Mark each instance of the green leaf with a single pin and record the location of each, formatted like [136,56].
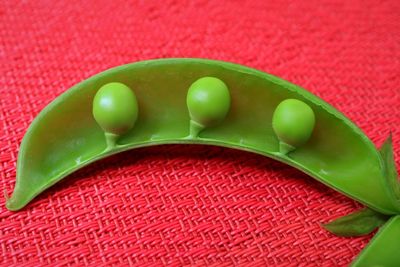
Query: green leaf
[383,249]
[359,223]
[390,167]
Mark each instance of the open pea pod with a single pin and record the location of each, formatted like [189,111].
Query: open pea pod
[197,101]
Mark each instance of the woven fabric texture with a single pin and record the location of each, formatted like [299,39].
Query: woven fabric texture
[191,205]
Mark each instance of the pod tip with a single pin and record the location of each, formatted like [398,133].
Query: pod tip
[6,195]
[11,203]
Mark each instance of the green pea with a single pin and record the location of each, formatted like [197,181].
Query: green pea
[115,108]
[293,122]
[208,101]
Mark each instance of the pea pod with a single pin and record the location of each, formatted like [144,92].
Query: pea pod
[245,113]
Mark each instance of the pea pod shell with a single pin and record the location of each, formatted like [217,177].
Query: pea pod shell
[338,154]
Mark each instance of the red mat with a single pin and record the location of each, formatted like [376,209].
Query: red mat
[191,205]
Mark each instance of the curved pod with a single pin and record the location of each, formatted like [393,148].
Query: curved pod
[65,137]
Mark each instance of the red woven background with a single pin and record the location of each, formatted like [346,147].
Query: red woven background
[198,205]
